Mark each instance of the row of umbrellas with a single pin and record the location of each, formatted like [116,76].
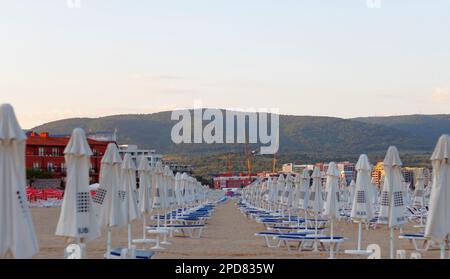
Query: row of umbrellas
[117,203]
[279,193]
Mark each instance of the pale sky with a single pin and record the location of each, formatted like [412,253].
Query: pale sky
[310,57]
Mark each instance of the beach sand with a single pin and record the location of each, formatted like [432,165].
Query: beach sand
[229,234]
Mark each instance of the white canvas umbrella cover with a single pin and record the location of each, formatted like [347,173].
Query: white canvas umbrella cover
[107,200]
[315,196]
[419,192]
[128,184]
[304,190]
[438,221]
[158,198]
[280,188]
[296,191]
[392,207]
[17,234]
[351,191]
[331,207]
[362,204]
[145,186]
[77,218]
[287,199]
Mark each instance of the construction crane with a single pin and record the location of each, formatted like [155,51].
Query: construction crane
[274,163]
[230,173]
[248,157]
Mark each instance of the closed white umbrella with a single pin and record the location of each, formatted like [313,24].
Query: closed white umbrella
[331,207]
[128,183]
[77,218]
[419,192]
[362,209]
[315,199]
[351,192]
[272,192]
[438,221]
[145,195]
[178,195]
[304,194]
[287,197]
[315,196]
[17,235]
[375,193]
[296,191]
[158,197]
[107,200]
[392,207]
[419,195]
[280,190]
[343,189]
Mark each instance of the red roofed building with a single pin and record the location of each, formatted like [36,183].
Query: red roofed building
[46,153]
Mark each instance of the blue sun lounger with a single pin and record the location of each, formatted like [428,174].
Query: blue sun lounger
[309,240]
[414,239]
[140,254]
[271,238]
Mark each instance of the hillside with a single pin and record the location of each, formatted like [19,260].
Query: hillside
[298,134]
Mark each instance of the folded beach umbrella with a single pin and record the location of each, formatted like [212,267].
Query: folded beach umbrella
[351,192]
[392,207]
[304,190]
[362,208]
[107,200]
[419,192]
[169,186]
[178,196]
[128,184]
[280,189]
[375,193]
[438,221]
[77,218]
[272,192]
[183,189]
[108,197]
[332,202]
[17,234]
[331,205]
[287,198]
[158,198]
[145,186]
[315,204]
[296,191]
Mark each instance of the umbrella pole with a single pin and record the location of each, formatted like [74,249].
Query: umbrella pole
[144,227]
[359,235]
[316,246]
[306,220]
[332,242]
[108,244]
[391,254]
[443,249]
[129,235]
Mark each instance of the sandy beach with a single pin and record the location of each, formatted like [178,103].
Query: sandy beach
[229,234]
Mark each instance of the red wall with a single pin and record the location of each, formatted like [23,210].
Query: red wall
[34,142]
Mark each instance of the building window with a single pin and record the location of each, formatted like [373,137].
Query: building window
[41,151]
[36,165]
[55,151]
[50,167]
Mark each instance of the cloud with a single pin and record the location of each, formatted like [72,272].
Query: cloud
[154,77]
[441,94]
